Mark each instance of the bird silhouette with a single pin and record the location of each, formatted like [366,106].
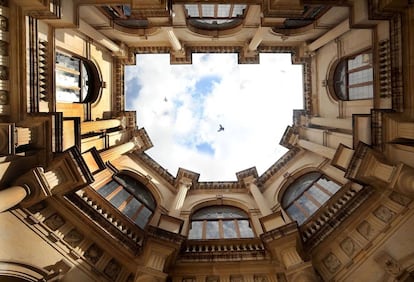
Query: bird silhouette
[165,99]
[221,128]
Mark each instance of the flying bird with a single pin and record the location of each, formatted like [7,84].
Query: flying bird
[221,128]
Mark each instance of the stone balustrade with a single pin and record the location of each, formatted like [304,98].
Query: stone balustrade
[236,249]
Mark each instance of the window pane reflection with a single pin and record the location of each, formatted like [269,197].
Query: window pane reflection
[245,229]
[229,229]
[212,230]
[223,222]
[196,230]
[315,188]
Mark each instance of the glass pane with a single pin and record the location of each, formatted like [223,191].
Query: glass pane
[212,230]
[298,187]
[67,61]
[143,217]
[136,188]
[131,208]
[363,92]
[360,61]
[207,10]
[308,205]
[238,10]
[192,10]
[196,231]
[296,214]
[229,229]
[329,185]
[223,11]
[107,188]
[219,212]
[119,198]
[318,194]
[245,229]
[361,76]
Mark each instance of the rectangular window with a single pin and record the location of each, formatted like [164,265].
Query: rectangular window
[212,230]
[229,229]
[119,198]
[196,231]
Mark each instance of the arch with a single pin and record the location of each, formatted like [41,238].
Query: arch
[220,219]
[352,77]
[131,197]
[147,182]
[19,271]
[78,79]
[306,193]
[215,19]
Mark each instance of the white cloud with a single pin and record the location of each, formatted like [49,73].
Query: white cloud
[253,102]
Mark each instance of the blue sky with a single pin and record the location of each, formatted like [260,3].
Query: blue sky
[182,106]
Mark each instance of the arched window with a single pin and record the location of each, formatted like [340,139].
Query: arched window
[130,197]
[77,79]
[215,16]
[220,222]
[307,194]
[353,78]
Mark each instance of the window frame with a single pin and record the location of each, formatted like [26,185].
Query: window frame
[143,207]
[294,202]
[220,224]
[89,84]
[338,80]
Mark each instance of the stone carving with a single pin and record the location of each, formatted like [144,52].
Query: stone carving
[4,48]
[212,279]
[384,214]
[365,230]
[389,264]
[73,238]
[236,278]
[4,23]
[331,262]
[400,199]
[112,269]
[260,278]
[348,246]
[54,221]
[4,97]
[4,73]
[93,254]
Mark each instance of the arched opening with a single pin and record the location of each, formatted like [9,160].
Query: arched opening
[220,222]
[131,197]
[77,79]
[352,77]
[307,194]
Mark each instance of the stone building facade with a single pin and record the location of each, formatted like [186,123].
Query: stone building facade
[80,199]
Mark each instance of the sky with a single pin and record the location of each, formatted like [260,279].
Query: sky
[182,107]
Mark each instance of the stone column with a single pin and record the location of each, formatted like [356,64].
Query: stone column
[342,123]
[321,150]
[258,196]
[115,152]
[183,186]
[99,125]
[11,196]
